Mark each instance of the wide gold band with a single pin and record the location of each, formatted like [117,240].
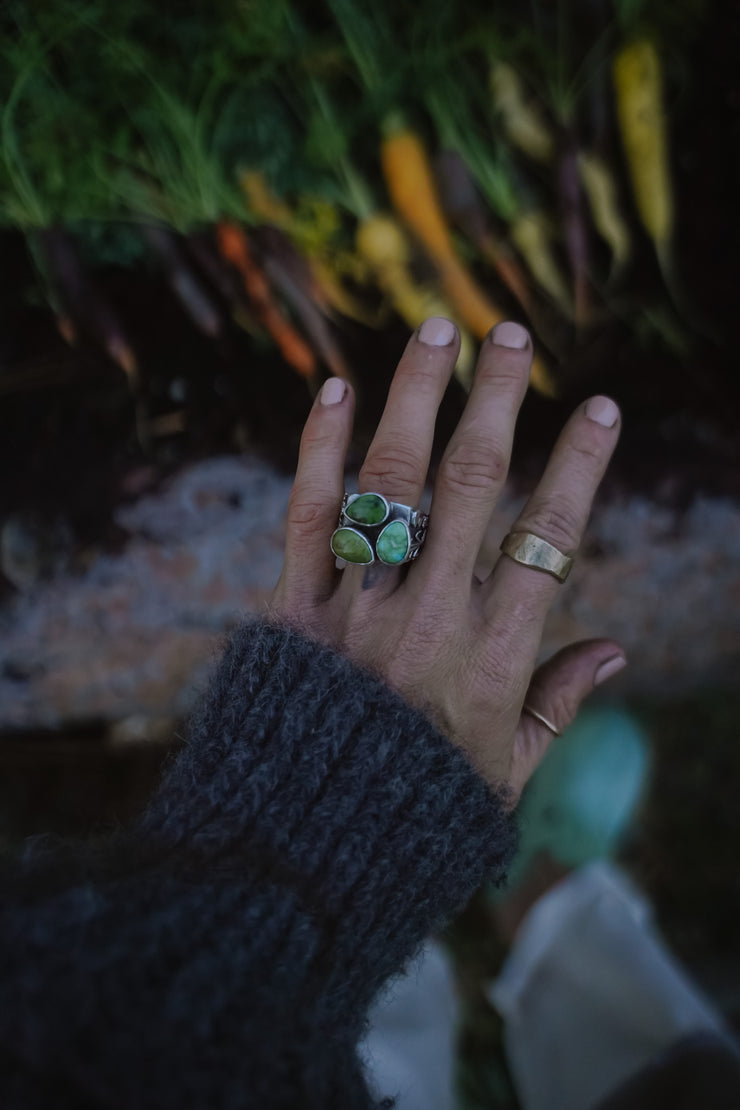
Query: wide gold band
[533,552]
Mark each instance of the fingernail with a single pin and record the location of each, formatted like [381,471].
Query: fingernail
[608,668]
[332,391]
[602,411]
[511,335]
[437,332]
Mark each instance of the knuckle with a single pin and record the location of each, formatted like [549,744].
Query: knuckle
[509,371]
[400,461]
[423,375]
[306,513]
[474,466]
[587,450]
[558,523]
[317,438]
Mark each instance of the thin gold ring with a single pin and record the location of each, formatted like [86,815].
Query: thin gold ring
[543,720]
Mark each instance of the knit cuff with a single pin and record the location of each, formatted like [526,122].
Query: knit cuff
[313,774]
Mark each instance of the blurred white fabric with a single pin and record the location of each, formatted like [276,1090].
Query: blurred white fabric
[589,993]
[409,1052]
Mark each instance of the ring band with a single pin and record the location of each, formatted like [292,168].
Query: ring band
[371,528]
[531,551]
[543,720]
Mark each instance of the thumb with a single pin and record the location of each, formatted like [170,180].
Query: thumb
[555,692]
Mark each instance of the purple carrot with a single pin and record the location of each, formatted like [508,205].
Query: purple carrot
[462,203]
[459,195]
[291,274]
[574,224]
[83,301]
[183,281]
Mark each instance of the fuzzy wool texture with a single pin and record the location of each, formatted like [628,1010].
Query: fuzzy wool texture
[224,951]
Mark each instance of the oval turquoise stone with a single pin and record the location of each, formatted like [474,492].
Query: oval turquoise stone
[351,546]
[368,508]
[393,543]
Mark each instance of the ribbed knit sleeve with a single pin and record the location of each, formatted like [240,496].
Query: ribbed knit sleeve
[224,953]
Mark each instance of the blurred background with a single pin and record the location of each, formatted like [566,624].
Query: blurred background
[204,215]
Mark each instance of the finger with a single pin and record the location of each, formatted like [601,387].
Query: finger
[397,460]
[475,464]
[516,597]
[555,692]
[309,573]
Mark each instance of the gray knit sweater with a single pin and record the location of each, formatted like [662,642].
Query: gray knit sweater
[225,951]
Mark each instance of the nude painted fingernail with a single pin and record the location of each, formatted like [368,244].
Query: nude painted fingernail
[608,668]
[602,411]
[511,335]
[332,391]
[437,332]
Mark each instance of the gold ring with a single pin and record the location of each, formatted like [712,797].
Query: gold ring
[534,552]
[543,720]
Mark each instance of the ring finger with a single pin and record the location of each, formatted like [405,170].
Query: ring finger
[516,598]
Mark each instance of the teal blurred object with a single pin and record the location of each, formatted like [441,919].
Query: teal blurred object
[581,799]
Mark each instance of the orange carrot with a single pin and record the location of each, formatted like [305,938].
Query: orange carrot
[234,246]
[411,187]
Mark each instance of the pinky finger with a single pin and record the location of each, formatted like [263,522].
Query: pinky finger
[309,572]
[555,694]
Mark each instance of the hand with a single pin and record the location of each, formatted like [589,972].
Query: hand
[461,650]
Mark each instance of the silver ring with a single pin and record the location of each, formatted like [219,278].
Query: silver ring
[373,529]
[539,717]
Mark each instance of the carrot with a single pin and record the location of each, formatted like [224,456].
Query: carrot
[262,201]
[411,187]
[531,235]
[336,297]
[289,272]
[383,245]
[461,201]
[414,195]
[83,302]
[234,247]
[638,81]
[522,122]
[183,280]
[601,191]
[574,226]
[66,328]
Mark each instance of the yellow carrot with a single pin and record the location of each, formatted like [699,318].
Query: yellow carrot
[261,200]
[382,242]
[530,233]
[601,190]
[383,245]
[638,86]
[334,294]
[522,121]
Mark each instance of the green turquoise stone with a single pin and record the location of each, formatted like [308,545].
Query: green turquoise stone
[351,546]
[368,508]
[393,543]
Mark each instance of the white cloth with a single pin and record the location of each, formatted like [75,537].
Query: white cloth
[409,1052]
[589,993]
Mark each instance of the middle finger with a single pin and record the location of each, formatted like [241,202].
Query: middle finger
[397,460]
[475,464]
